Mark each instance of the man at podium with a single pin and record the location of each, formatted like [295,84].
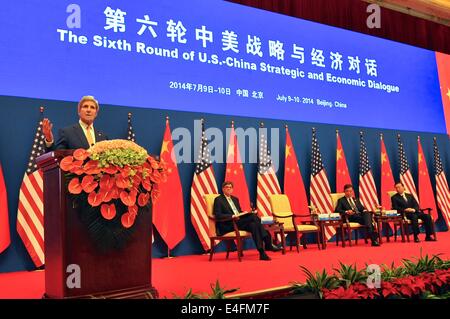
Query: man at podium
[227,205]
[79,135]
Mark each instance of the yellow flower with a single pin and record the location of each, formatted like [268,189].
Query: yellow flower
[103,146]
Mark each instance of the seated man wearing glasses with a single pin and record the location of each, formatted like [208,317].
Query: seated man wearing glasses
[227,205]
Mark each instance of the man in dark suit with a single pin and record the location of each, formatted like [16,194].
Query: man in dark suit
[407,205]
[226,206]
[354,209]
[79,135]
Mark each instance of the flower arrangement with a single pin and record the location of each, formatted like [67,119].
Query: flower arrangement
[425,277]
[405,287]
[115,174]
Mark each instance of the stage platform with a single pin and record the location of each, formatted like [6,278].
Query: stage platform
[177,275]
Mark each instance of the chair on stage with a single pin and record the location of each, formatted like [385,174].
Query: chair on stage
[236,235]
[407,221]
[348,226]
[292,223]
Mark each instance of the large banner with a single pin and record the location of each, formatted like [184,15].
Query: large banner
[215,57]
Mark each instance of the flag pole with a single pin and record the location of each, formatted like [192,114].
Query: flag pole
[168,249]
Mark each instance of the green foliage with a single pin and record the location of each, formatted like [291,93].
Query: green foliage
[422,264]
[120,157]
[442,264]
[392,272]
[218,292]
[348,274]
[429,295]
[189,295]
[316,282]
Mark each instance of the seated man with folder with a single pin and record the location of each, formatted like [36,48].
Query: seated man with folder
[226,205]
[353,208]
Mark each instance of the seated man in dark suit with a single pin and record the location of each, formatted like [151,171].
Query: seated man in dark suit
[407,205]
[227,205]
[353,208]
[79,135]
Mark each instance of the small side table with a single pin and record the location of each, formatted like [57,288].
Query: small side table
[382,220]
[333,223]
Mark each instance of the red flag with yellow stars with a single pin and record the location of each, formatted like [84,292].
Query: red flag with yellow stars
[387,179]
[342,173]
[443,64]
[5,238]
[426,195]
[293,182]
[235,172]
[168,210]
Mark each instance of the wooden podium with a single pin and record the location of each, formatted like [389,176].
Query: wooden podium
[124,273]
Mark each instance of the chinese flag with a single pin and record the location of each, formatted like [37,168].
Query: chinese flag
[426,195]
[342,173]
[443,64]
[387,179]
[293,182]
[235,172]
[5,239]
[168,210]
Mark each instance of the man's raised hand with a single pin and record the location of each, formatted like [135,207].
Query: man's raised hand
[47,129]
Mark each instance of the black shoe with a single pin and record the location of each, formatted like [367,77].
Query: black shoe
[273,248]
[264,257]
[416,240]
[375,243]
[430,239]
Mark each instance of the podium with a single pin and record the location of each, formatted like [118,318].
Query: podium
[70,251]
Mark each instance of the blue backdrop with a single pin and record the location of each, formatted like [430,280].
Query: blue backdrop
[20,116]
[226,71]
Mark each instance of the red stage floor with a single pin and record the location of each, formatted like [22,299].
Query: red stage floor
[177,275]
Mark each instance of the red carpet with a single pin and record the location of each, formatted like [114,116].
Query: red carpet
[177,275]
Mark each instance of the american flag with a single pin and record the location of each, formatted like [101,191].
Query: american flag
[442,191]
[203,183]
[367,188]
[267,182]
[132,137]
[130,132]
[319,188]
[405,173]
[30,212]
